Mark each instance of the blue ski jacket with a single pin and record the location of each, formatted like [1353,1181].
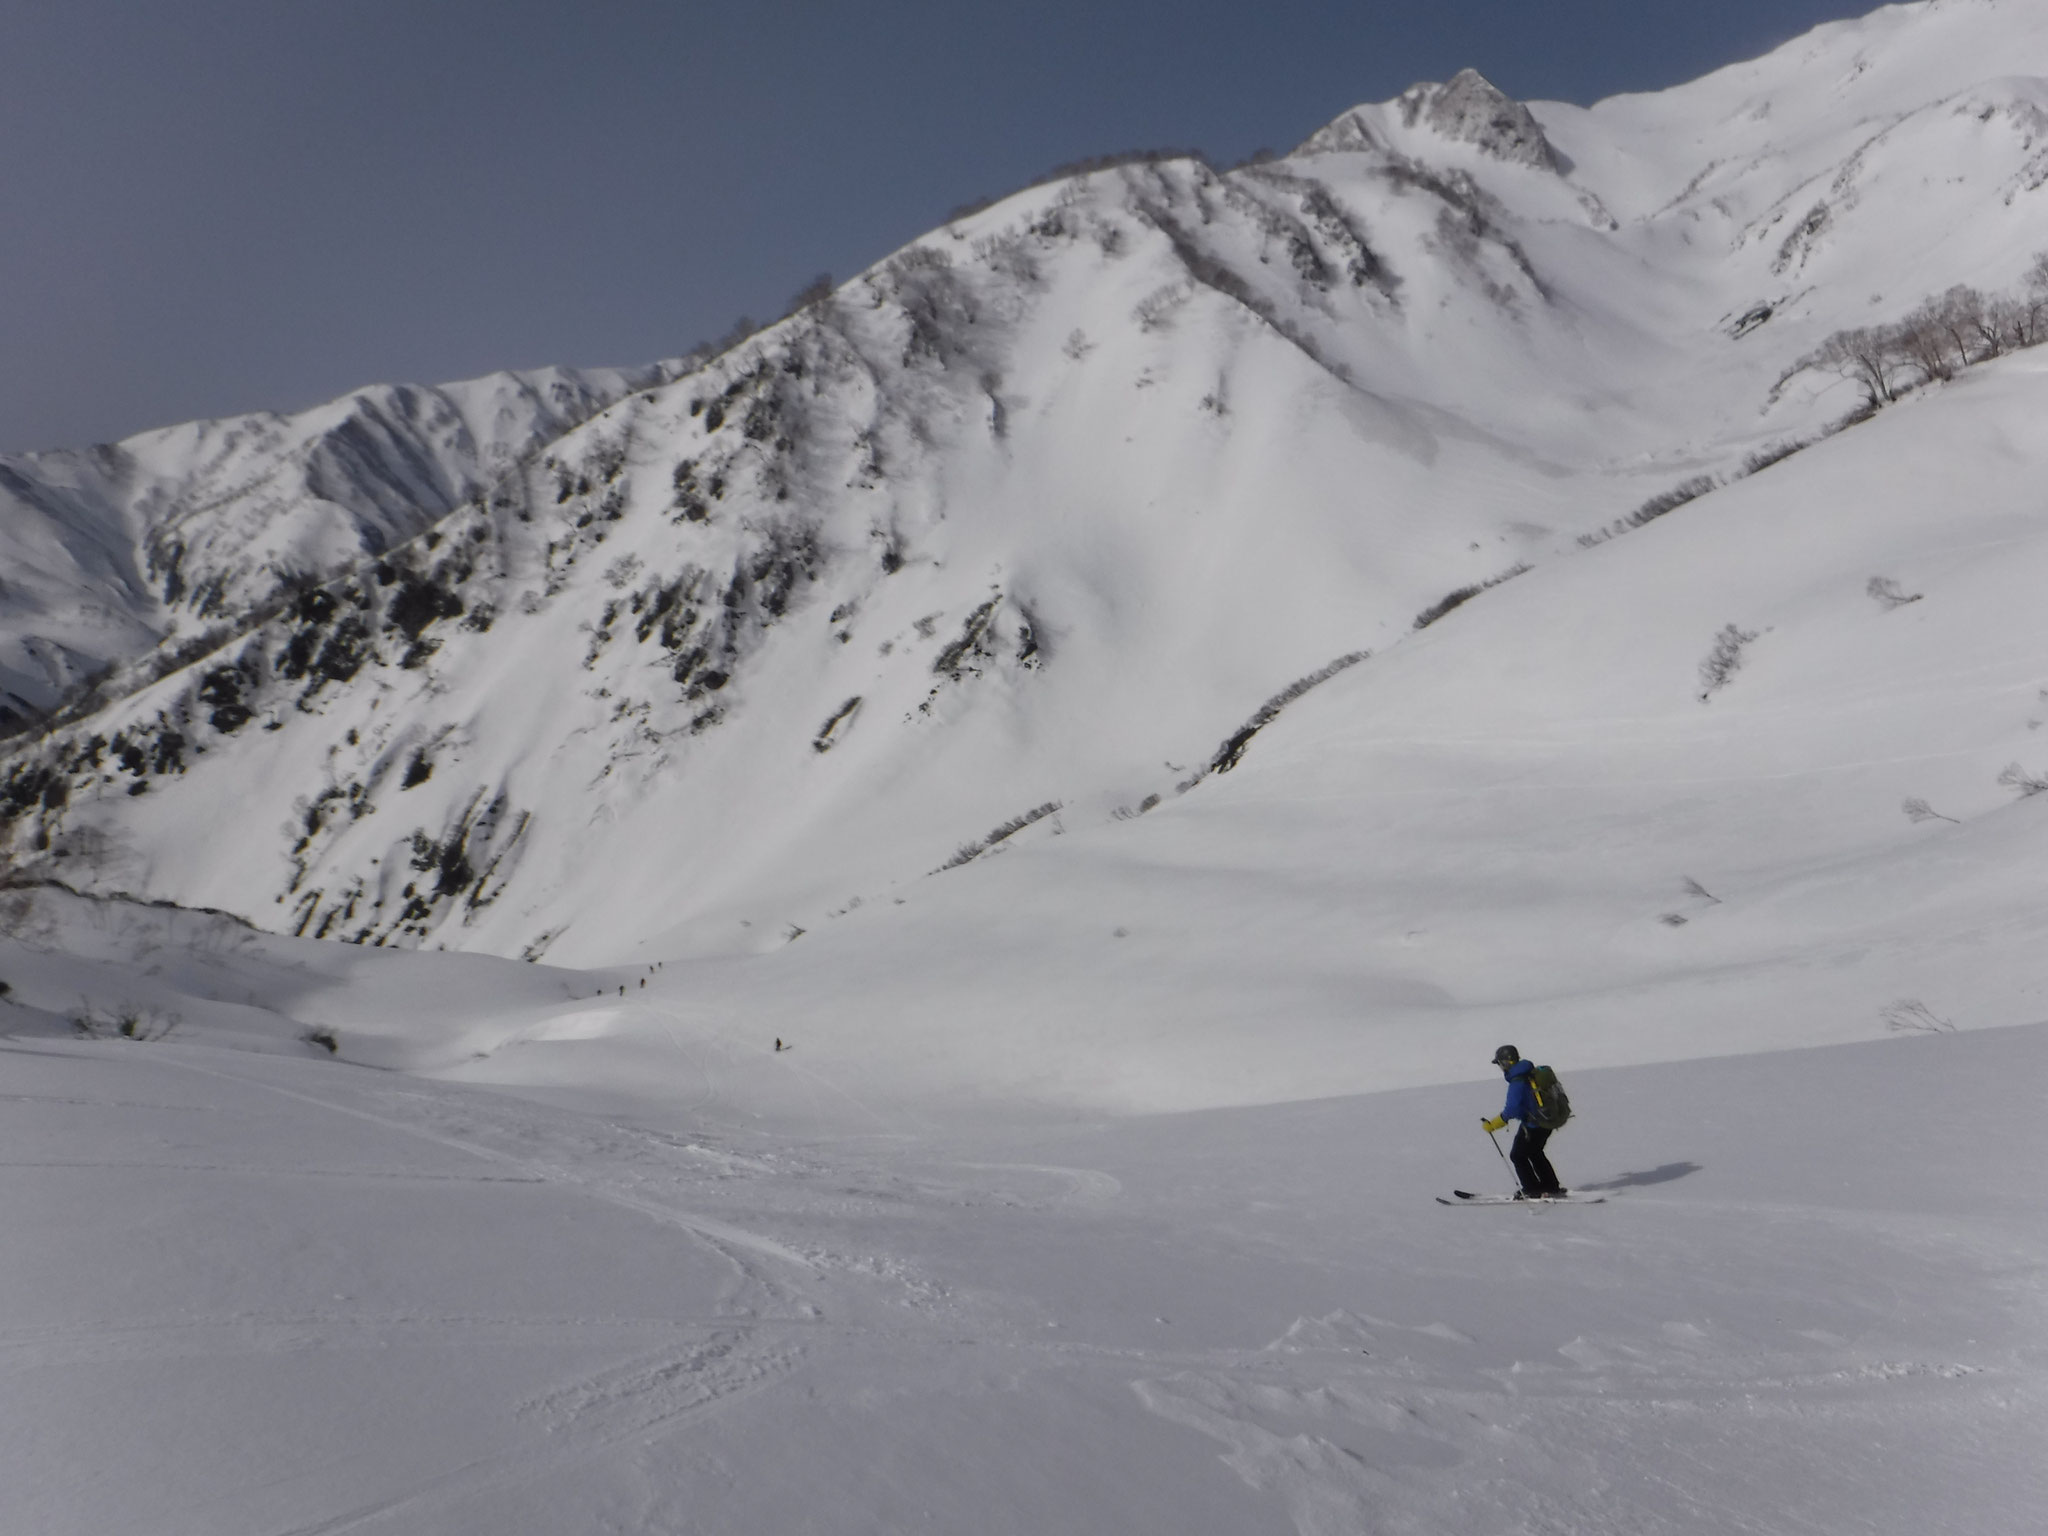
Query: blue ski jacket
[1521,1099]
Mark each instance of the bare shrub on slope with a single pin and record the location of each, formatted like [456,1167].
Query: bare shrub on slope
[122,1021]
[1725,659]
[1774,453]
[2021,782]
[1654,508]
[969,852]
[1888,594]
[1231,753]
[1463,595]
[1910,1016]
[1918,810]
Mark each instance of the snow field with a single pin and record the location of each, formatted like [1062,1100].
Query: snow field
[275,1294]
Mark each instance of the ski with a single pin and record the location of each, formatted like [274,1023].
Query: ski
[1467,1197]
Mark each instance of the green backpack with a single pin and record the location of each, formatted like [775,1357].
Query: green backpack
[1553,1106]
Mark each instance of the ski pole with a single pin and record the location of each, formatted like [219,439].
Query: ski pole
[1503,1156]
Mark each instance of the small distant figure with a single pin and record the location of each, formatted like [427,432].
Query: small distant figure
[1537,1100]
[622,989]
[643,981]
[779,1046]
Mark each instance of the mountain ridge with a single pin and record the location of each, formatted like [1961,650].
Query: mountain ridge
[1062,490]
[180,526]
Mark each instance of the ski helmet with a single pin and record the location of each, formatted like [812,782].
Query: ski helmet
[1506,1056]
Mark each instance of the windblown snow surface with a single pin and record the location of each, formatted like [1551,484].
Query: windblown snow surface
[930,896]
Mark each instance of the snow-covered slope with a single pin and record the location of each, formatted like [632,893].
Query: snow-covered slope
[1033,528]
[1528,819]
[106,552]
[253,1293]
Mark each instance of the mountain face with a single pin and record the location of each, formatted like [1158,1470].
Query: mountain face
[1032,528]
[114,550]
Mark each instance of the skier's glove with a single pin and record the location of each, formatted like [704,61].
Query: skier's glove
[1500,1124]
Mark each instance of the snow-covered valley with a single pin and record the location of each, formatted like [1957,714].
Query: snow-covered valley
[894,929]
[270,1294]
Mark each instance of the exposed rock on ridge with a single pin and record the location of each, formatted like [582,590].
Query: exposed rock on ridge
[109,550]
[1472,110]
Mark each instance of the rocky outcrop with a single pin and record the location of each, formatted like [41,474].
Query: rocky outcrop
[1472,110]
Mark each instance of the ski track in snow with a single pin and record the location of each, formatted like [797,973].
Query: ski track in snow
[640,1400]
[1353,1448]
[722,1236]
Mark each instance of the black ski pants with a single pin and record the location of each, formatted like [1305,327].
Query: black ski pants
[1531,1166]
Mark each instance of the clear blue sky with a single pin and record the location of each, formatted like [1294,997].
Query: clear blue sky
[224,205]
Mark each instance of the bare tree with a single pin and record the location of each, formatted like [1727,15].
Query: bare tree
[816,291]
[1867,356]
[2036,281]
[2014,321]
[1943,336]
[1959,315]
[1922,340]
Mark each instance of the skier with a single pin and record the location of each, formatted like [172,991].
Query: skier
[1539,1179]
